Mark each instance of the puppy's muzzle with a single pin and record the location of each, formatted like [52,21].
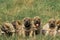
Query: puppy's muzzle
[52,25]
[37,23]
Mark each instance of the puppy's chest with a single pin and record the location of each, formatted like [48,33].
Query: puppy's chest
[37,28]
[52,31]
[28,28]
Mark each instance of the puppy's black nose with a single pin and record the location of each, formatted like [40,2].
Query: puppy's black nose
[52,24]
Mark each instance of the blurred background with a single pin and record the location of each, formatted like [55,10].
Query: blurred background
[18,9]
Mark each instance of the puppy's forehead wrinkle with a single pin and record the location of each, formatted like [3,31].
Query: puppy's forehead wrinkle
[36,19]
[16,22]
[26,18]
[52,19]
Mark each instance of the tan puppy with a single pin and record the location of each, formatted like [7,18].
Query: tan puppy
[58,26]
[50,28]
[37,24]
[18,27]
[8,28]
[27,27]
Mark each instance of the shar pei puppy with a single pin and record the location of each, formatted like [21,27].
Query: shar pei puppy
[8,28]
[18,27]
[27,27]
[50,28]
[58,26]
[37,24]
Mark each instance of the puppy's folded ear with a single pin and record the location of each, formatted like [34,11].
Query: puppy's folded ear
[58,24]
[26,18]
[19,22]
[58,21]
[36,17]
[31,19]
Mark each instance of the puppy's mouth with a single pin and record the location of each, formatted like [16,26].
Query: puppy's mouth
[37,23]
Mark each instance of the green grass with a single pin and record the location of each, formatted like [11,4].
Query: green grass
[18,9]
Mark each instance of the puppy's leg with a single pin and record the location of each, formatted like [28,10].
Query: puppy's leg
[31,33]
[47,32]
[20,32]
[23,33]
[55,33]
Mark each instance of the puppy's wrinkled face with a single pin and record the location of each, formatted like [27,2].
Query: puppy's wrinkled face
[37,21]
[52,23]
[58,24]
[27,22]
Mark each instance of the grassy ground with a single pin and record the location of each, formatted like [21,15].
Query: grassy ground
[18,9]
